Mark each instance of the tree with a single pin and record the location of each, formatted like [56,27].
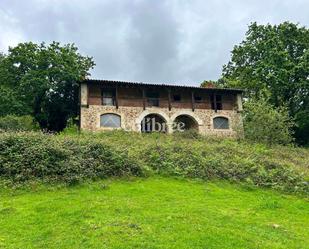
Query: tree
[10,103]
[45,79]
[274,61]
[267,124]
[209,83]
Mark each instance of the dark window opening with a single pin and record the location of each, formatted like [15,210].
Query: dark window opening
[177,98]
[152,98]
[218,102]
[198,99]
[221,123]
[108,97]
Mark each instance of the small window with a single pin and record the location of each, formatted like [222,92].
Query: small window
[108,97]
[198,99]
[218,102]
[177,98]
[110,120]
[221,123]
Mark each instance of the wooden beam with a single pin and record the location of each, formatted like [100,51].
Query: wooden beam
[239,102]
[215,102]
[169,99]
[193,101]
[116,95]
[87,95]
[144,99]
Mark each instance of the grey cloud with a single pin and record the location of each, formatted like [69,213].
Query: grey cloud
[153,44]
[141,40]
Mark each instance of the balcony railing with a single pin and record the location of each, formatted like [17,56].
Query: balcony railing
[163,103]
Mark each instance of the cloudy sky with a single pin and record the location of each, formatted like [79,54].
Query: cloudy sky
[146,40]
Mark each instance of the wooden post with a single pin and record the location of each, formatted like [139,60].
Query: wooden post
[84,95]
[169,99]
[144,100]
[193,101]
[116,96]
[87,87]
[215,102]
[239,102]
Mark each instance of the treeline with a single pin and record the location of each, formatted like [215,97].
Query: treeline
[272,65]
[42,81]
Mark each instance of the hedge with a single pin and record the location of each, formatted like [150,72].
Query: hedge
[26,156]
[68,158]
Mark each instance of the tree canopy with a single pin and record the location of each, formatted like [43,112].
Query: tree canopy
[273,61]
[42,80]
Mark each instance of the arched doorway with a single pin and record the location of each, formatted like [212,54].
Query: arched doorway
[185,122]
[154,123]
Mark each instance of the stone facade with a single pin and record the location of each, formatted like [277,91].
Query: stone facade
[131,116]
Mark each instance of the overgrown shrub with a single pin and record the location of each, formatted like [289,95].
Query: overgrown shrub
[191,134]
[26,156]
[71,128]
[222,162]
[72,158]
[267,124]
[18,123]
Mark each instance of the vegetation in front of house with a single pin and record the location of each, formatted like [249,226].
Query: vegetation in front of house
[35,156]
[73,158]
[152,213]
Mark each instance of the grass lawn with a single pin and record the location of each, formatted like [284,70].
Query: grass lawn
[152,213]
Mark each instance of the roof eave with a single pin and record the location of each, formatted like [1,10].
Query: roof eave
[143,84]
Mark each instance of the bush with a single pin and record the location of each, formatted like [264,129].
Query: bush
[190,134]
[26,156]
[18,123]
[266,124]
[195,161]
[71,128]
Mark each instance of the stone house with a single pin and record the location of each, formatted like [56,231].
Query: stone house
[141,107]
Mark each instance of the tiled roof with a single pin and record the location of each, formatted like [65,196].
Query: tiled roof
[143,84]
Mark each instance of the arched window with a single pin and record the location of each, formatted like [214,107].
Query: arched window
[221,123]
[110,120]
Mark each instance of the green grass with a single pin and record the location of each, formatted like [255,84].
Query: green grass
[152,213]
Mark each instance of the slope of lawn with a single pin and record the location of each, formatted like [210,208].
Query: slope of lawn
[153,212]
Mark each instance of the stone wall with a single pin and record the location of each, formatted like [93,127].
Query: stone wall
[131,118]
